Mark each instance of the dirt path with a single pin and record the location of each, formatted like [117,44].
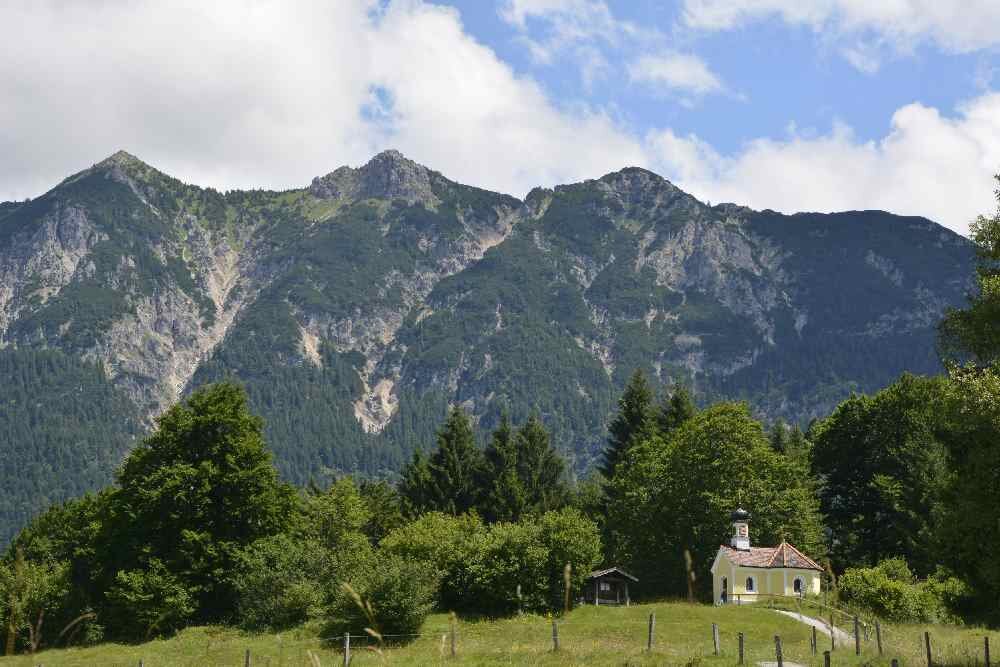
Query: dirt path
[841,636]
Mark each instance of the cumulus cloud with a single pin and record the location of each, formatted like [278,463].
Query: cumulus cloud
[585,31]
[251,95]
[958,27]
[677,71]
[570,21]
[927,164]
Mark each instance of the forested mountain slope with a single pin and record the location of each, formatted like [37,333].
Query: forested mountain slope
[356,309]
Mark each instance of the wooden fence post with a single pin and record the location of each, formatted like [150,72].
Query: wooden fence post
[453,635]
[555,635]
[715,638]
[833,634]
[986,649]
[740,636]
[246,659]
[878,636]
[652,626]
[777,651]
[347,649]
[927,643]
[857,637]
[814,642]
[826,659]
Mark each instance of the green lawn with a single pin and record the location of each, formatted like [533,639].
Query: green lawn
[590,636]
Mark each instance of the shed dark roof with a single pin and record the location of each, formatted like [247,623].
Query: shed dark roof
[783,555]
[600,573]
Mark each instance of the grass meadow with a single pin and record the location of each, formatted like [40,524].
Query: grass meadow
[587,636]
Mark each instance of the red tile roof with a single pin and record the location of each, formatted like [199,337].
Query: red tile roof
[783,555]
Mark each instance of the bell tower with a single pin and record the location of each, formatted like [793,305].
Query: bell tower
[741,530]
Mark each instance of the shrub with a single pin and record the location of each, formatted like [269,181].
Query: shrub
[446,543]
[147,602]
[532,556]
[278,582]
[889,590]
[332,515]
[392,598]
[572,538]
[508,556]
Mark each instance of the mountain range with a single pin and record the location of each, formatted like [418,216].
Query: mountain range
[357,309]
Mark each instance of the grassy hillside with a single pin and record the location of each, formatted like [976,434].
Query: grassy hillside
[591,636]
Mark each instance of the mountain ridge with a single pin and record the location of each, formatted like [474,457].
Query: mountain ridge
[357,307]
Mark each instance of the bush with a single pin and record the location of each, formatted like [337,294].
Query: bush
[531,555]
[393,598]
[333,515]
[572,538]
[147,602]
[508,556]
[278,582]
[890,591]
[446,543]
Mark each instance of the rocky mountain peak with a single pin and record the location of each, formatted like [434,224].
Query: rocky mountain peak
[388,175]
[127,169]
[633,181]
[120,159]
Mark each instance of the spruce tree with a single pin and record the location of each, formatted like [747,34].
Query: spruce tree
[503,494]
[675,410]
[634,410]
[447,481]
[539,467]
[414,485]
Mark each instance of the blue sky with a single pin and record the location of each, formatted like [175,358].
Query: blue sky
[774,74]
[786,104]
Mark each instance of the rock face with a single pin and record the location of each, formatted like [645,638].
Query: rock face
[388,175]
[357,309]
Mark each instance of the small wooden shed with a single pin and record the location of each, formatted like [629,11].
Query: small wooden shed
[608,586]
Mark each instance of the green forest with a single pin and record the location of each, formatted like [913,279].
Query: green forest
[57,414]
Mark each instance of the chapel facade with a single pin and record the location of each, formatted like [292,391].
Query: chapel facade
[742,573]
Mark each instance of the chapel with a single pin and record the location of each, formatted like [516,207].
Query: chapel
[742,573]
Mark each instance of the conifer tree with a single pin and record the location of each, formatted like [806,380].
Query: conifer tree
[634,410]
[539,467]
[414,485]
[522,472]
[675,410]
[447,481]
[504,495]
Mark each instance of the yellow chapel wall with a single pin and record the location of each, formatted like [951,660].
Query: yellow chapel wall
[769,581]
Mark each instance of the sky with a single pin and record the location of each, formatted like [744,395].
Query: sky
[793,105]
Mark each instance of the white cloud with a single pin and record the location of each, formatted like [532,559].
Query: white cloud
[679,71]
[958,27]
[252,95]
[584,31]
[569,20]
[927,165]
